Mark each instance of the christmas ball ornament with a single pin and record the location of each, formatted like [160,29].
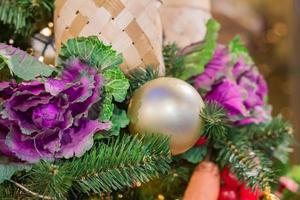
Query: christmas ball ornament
[168,106]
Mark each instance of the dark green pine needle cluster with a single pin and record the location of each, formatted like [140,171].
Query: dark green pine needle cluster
[139,76]
[120,163]
[250,166]
[216,121]
[21,18]
[249,151]
[173,62]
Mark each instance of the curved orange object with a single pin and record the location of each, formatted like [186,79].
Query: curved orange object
[204,183]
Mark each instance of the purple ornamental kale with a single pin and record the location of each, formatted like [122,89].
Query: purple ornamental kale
[214,70]
[50,120]
[238,87]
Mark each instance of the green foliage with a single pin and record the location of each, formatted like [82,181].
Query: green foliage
[106,108]
[8,170]
[116,84]
[237,49]
[274,138]
[19,62]
[215,121]
[119,120]
[139,76]
[294,173]
[173,61]
[196,154]
[3,62]
[92,51]
[122,162]
[197,56]
[48,179]
[22,14]
[8,191]
[233,148]
[115,87]
[250,166]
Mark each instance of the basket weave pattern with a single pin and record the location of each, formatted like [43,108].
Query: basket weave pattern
[132,27]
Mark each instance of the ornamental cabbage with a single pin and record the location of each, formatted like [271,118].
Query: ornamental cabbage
[48,120]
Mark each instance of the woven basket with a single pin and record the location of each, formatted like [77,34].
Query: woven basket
[132,27]
[184,21]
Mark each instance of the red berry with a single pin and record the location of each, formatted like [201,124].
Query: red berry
[248,193]
[201,141]
[227,193]
[230,179]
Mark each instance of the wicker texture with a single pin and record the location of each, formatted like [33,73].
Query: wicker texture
[184,21]
[132,27]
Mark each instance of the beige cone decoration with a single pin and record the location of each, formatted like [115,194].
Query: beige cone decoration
[184,21]
[132,27]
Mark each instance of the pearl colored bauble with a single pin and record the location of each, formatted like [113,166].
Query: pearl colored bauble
[168,106]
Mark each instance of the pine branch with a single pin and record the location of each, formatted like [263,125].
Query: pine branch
[249,165]
[173,61]
[30,192]
[140,76]
[22,14]
[48,179]
[235,149]
[274,138]
[121,163]
[15,15]
[215,121]
[8,191]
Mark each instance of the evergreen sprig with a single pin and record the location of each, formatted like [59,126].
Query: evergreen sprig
[121,163]
[234,149]
[173,61]
[216,121]
[139,76]
[251,166]
[274,138]
[21,14]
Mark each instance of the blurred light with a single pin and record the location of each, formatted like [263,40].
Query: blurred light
[41,58]
[138,184]
[271,37]
[50,24]
[161,197]
[46,32]
[280,29]
[11,41]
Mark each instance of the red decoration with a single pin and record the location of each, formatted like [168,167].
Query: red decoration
[201,141]
[248,193]
[230,179]
[227,193]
